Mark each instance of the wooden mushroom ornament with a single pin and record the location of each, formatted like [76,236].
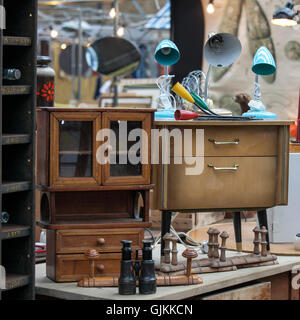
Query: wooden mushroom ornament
[91,255]
[189,254]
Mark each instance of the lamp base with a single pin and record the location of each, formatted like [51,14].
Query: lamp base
[165,114]
[259,114]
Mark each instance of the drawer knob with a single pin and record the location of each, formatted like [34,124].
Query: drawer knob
[236,141]
[101,241]
[100,267]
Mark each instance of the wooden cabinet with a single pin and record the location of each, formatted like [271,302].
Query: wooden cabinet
[242,165]
[88,200]
[222,166]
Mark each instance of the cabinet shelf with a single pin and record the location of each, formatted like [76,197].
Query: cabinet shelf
[17,41]
[15,186]
[15,90]
[14,281]
[95,224]
[136,187]
[8,139]
[12,231]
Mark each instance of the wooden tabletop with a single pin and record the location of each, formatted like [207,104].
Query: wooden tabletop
[222,123]
[211,283]
[93,109]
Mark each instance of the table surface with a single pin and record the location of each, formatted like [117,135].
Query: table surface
[211,282]
[171,122]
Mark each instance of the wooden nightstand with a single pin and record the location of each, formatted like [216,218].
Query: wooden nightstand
[244,166]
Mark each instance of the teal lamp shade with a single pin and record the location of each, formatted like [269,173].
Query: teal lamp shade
[167,53]
[263,62]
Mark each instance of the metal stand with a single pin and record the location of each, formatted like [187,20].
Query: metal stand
[263,222]
[237,230]
[166,217]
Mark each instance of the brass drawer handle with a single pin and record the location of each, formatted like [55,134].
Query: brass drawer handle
[219,169]
[235,142]
[100,241]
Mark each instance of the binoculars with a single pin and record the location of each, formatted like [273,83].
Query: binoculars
[135,271]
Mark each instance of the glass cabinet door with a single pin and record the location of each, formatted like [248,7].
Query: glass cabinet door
[73,148]
[128,153]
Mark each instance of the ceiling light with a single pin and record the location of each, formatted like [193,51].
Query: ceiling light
[53,33]
[210,7]
[285,16]
[112,12]
[121,31]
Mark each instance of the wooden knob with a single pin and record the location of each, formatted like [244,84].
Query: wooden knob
[101,241]
[100,267]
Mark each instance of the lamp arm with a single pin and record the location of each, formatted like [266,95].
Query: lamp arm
[257,92]
[207,83]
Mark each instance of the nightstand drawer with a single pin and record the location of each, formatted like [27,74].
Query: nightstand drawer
[73,267]
[108,240]
[232,141]
[225,182]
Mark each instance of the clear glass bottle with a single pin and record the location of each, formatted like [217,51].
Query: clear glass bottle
[4,217]
[11,74]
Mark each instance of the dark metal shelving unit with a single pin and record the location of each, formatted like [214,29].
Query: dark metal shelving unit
[17,148]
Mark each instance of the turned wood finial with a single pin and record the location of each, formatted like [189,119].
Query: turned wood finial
[167,238]
[224,235]
[264,232]
[215,246]
[210,242]
[189,254]
[256,240]
[174,251]
[91,255]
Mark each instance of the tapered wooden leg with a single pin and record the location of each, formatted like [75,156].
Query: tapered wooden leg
[165,227]
[263,222]
[237,230]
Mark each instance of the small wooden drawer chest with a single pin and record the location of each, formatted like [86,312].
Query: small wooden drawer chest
[66,260]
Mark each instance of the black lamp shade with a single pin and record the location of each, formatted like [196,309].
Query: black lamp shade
[285,13]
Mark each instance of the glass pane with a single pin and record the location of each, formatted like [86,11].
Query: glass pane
[75,148]
[120,154]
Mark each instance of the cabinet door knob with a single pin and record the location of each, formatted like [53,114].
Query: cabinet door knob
[101,241]
[100,267]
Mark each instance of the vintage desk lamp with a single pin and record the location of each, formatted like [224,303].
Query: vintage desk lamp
[220,50]
[264,65]
[166,54]
[285,17]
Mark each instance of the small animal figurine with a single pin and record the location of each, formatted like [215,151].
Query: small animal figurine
[243,99]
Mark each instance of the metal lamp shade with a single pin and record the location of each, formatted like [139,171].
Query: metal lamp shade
[285,16]
[167,53]
[263,62]
[222,49]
